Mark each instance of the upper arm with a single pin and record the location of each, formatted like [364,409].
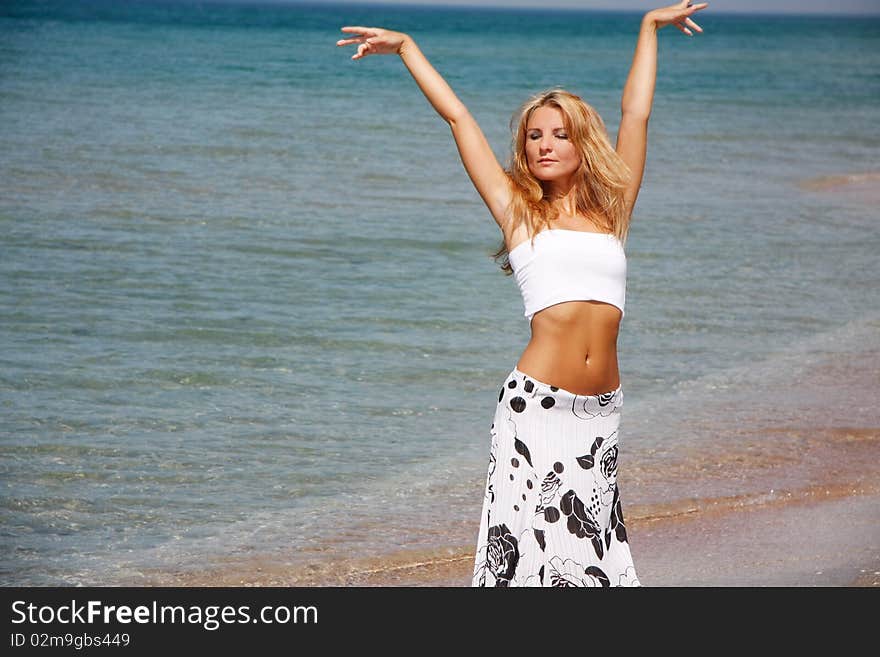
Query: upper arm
[483,168]
[632,146]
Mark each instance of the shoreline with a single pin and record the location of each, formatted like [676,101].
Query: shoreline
[825,532]
[660,542]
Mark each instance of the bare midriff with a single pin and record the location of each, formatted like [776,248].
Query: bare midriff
[574,345]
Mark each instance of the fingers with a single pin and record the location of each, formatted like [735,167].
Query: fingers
[362,32]
[688,21]
[362,51]
[691,9]
[361,39]
[366,37]
[357,29]
[685,23]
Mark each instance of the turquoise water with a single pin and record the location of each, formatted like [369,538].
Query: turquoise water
[246,297]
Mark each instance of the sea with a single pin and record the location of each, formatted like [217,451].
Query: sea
[248,305]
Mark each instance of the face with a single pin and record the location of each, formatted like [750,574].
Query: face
[550,153]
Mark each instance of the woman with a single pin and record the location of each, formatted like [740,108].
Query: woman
[552,512]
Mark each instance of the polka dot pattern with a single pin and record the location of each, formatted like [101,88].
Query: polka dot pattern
[568,530]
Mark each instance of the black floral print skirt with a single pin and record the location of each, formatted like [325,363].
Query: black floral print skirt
[552,512]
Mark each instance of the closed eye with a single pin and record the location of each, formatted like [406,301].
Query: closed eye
[537,135]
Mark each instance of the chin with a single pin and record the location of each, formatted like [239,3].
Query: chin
[546,178]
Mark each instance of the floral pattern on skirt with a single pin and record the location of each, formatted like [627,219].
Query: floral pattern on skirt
[552,513]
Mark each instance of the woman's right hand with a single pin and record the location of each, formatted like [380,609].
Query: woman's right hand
[679,14]
[373,41]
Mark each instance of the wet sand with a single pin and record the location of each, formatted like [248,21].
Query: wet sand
[823,541]
[824,533]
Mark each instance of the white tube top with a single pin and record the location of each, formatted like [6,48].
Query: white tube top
[569,265]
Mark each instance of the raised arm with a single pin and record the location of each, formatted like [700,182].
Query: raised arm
[638,93]
[479,161]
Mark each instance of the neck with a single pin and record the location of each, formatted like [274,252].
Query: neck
[561,197]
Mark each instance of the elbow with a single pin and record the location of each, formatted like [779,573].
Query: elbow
[635,113]
[457,115]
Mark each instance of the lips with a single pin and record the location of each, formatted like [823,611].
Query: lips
[545,161]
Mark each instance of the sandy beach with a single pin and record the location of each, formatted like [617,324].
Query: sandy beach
[822,534]
[761,546]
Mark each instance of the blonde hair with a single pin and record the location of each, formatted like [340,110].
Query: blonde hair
[601,178]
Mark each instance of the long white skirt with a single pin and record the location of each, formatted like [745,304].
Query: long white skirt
[552,513]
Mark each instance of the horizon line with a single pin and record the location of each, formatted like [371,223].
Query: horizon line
[408,4]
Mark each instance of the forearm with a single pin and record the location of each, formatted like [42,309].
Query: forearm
[432,84]
[638,93]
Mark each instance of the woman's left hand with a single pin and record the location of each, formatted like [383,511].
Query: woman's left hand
[678,14]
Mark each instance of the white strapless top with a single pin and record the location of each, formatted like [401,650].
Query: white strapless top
[569,265]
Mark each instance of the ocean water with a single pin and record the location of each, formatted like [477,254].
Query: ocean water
[247,303]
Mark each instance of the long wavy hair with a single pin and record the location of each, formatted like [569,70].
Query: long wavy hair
[601,178]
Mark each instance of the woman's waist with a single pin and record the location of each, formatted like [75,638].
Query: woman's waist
[598,348]
[578,369]
[524,390]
